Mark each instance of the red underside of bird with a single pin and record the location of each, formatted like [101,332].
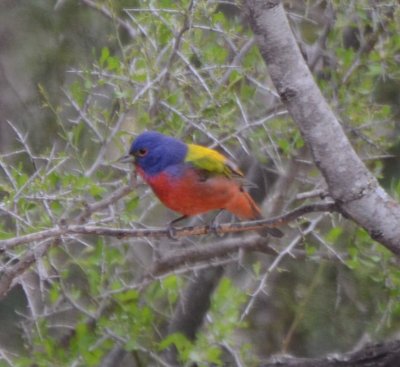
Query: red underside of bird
[190,195]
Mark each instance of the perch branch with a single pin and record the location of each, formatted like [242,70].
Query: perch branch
[66,229]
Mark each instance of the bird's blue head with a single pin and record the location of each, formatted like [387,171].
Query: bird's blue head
[153,152]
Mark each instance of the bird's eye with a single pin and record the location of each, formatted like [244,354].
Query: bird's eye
[142,152]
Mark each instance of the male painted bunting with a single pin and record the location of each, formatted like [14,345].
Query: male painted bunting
[191,179]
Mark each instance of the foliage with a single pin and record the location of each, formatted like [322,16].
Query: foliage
[192,70]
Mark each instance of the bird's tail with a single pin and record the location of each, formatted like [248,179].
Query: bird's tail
[244,207]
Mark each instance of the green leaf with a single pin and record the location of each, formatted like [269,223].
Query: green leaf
[105,54]
[78,92]
[257,268]
[181,343]
[5,235]
[132,203]
[113,64]
[54,294]
[130,296]
[334,234]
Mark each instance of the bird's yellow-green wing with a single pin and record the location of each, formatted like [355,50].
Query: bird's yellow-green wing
[211,161]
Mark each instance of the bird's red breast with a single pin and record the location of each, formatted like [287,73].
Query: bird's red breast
[190,194]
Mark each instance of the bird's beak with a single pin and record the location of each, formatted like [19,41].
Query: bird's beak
[127,159]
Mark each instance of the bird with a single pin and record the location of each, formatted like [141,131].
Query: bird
[192,179]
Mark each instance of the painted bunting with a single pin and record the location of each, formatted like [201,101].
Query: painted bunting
[191,179]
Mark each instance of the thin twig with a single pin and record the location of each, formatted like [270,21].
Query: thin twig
[275,263]
[108,14]
[24,263]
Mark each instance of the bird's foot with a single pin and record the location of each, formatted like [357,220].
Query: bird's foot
[215,228]
[214,225]
[171,230]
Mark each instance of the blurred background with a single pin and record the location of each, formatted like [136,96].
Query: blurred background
[78,79]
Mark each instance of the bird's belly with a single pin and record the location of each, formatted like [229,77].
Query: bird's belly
[190,196]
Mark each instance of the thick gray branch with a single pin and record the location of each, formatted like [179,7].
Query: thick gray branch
[374,355]
[355,190]
[192,307]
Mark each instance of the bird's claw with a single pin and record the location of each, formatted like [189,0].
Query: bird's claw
[172,232]
[216,229]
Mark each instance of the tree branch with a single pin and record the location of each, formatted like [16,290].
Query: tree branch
[355,190]
[192,307]
[221,249]
[108,14]
[65,229]
[373,355]
[13,271]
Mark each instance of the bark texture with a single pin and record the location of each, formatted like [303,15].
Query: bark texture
[373,355]
[354,189]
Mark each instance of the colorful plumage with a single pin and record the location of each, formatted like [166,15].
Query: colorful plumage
[191,179]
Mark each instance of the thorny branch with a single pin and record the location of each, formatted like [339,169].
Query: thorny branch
[282,254]
[65,229]
[191,256]
[108,14]
[376,355]
[221,249]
